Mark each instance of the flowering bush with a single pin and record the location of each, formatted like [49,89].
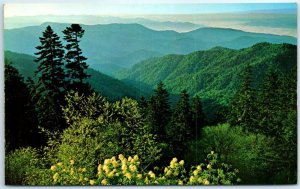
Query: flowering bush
[99,129]
[127,171]
[252,154]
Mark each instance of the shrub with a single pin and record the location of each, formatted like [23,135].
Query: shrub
[252,154]
[127,171]
[18,164]
[99,129]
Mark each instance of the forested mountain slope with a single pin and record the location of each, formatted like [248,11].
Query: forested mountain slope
[106,85]
[212,74]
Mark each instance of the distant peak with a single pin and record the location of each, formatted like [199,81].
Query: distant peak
[126,24]
[216,29]
[217,48]
[44,24]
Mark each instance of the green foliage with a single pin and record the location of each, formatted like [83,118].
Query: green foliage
[127,171]
[254,155]
[82,115]
[85,143]
[178,129]
[78,106]
[261,141]
[211,74]
[143,105]
[132,134]
[20,163]
[98,129]
[270,100]
[272,113]
[286,139]
[198,117]
[243,107]
[159,111]
[214,173]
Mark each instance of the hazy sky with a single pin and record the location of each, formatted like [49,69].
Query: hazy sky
[117,8]
[274,18]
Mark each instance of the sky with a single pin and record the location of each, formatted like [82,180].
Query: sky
[136,8]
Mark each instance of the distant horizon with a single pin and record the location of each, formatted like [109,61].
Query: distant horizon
[278,22]
[229,28]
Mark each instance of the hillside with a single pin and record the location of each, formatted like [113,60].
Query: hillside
[106,85]
[112,47]
[212,74]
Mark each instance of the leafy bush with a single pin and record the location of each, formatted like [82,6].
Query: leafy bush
[19,163]
[127,171]
[99,129]
[252,154]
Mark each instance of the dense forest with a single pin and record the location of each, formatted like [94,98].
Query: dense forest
[67,124]
[210,74]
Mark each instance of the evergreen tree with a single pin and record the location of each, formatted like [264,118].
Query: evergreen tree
[286,141]
[179,128]
[269,105]
[75,62]
[20,119]
[49,91]
[158,113]
[198,117]
[50,71]
[243,106]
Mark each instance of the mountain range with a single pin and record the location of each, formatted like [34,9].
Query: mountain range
[113,47]
[23,21]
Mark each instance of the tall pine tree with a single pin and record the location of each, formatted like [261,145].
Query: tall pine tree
[158,113]
[198,117]
[75,61]
[179,128]
[243,106]
[269,105]
[50,86]
[286,142]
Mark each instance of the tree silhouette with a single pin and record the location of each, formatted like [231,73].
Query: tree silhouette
[159,111]
[50,86]
[179,128]
[21,127]
[75,62]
